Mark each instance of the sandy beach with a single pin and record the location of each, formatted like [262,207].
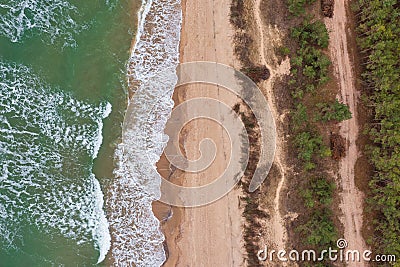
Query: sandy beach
[208,235]
[212,235]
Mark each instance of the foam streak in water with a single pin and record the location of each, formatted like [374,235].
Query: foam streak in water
[53,18]
[48,141]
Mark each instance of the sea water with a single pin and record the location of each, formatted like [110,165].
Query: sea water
[62,103]
[76,179]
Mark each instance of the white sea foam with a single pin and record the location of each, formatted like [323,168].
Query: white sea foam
[99,140]
[137,239]
[53,18]
[100,233]
[44,179]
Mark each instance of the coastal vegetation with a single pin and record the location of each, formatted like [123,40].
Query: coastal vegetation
[379,42]
[318,196]
[335,111]
[252,212]
[297,7]
[313,118]
[310,71]
[243,41]
[315,113]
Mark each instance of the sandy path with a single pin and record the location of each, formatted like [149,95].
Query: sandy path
[351,198]
[209,235]
[277,231]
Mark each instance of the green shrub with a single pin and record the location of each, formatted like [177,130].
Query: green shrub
[308,145]
[333,112]
[318,193]
[300,117]
[284,51]
[297,7]
[319,230]
[315,64]
[314,33]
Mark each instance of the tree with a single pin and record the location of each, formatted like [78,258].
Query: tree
[379,38]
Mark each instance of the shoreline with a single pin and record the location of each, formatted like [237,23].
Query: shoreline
[170,217]
[134,188]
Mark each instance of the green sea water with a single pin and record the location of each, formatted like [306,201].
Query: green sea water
[61,64]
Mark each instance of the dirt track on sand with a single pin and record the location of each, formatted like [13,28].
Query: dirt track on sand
[269,37]
[352,199]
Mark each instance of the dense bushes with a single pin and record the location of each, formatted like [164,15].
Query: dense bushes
[310,69]
[320,192]
[314,33]
[309,72]
[310,64]
[379,30]
[310,144]
[320,230]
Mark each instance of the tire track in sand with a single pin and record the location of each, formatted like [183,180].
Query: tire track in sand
[352,199]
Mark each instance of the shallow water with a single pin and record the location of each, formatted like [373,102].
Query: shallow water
[134,228]
[62,71]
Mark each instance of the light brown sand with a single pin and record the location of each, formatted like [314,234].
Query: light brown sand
[276,226]
[208,235]
[268,37]
[351,198]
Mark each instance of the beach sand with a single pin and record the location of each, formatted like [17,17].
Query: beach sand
[210,235]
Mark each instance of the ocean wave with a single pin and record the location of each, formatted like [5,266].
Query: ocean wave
[137,239]
[48,141]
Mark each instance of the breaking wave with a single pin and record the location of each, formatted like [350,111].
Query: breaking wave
[137,239]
